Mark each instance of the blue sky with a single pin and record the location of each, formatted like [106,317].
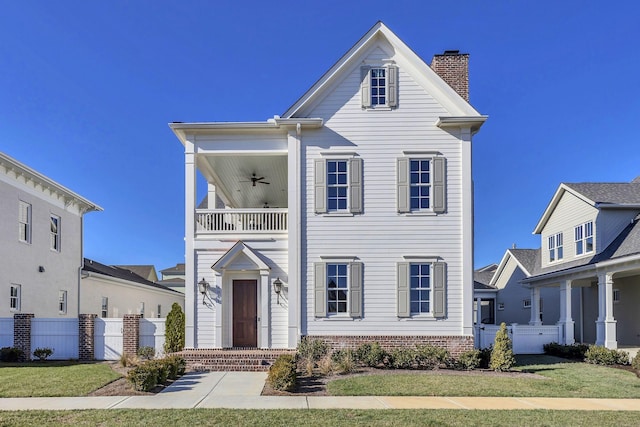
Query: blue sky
[87,89]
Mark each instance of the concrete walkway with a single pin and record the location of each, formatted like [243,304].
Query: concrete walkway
[241,390]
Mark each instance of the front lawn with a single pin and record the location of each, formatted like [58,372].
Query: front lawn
[562,378]
[334,417]
[53,379]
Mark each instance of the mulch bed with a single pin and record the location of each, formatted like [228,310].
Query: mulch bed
[122,387]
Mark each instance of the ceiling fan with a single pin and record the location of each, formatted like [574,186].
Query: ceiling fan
[254,179]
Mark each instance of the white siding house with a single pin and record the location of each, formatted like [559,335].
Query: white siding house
[348,218]
[40,243]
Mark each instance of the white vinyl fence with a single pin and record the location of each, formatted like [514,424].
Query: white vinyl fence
[107,338]
[152,334]
[6,332]
[60,335]
[526,339]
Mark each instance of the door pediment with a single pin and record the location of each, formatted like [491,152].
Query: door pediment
[240,258]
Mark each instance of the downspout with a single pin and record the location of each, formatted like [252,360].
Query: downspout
[299,226]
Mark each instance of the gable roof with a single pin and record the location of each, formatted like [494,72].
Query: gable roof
[91,266]
[425,76]
[482,277]
[178,269]
[526,259]
[601,195]
[145,271]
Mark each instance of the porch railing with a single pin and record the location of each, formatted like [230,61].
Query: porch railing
[230,221]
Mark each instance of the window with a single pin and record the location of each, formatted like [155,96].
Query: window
[526,303]
[338,185]
[379,87]
[421,184]
[14,298]
[420,284]
[421,288]
[555,247]
[584,238]
[141,309]
[616,296]
[24,222]
[500,306]
[104,311]
[338,289]
[62,302]
[55,233]
[159,311]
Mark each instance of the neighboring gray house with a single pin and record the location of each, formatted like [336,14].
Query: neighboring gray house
[41,226]
[173,277]
[349,218]
[586,276]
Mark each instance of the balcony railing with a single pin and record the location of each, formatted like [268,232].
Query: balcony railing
[230,221]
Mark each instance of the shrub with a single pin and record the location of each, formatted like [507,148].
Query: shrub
[325,365]
[282,374]
[11,354]
[370,354]
[147,352]
[162,368]
[174,330]
[485,357]
[468,360]
[599,355]
[402,358]
[635,363]
[127,359]
[573,351]
[344,361]
[143,377]
[177,366]
[502,358]
[42,353]
[431,357]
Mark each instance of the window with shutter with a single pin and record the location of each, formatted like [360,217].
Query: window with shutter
[338,289]
[379,86]
[338,186]
[24,222]
[421,184]
[421,289]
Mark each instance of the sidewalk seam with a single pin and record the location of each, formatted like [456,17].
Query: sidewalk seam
[124,399]
[209,392]
[455,402]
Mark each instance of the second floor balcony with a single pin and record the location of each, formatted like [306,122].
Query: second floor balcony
[259,221]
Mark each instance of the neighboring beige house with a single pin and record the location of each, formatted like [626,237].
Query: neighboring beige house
[173,277]
[113,291]
[41,254]
[349,218]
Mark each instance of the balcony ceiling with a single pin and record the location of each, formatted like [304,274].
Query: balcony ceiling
[232,176]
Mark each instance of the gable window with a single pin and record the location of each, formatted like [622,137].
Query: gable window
[24,222]
[159,311]
[421,184]
[379,87]
[584,238]
[104,311]
[55,233]
[62,302]
[338,289]
[421,288]
[338,185]
[14,298]
[555,247]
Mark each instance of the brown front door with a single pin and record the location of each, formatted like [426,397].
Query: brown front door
[245,313]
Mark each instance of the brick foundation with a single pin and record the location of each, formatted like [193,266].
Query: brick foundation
[86,332]
[230,360]
[22,333]
[131,333]
[455,344]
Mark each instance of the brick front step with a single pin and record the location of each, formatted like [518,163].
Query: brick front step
[231,360]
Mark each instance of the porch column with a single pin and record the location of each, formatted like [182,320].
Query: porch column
[566,322]
[294,207]
[190,290]
[219,308]
[535,307]
[478,321]
[265,312]
[606,324]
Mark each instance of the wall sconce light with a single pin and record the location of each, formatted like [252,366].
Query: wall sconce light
[41,269]
[203,287]
[277,288]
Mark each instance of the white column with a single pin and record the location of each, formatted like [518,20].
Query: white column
[265,312]
[294,206]
[467,232]
[535,307]
[219,297]
[190,297]
[566,321]
[211,196]
[479,310]
[606,324]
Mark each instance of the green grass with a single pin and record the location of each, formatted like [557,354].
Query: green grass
[562,378]
[336,417]
[53,379]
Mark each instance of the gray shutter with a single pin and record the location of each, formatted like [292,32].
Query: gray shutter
[392,86]
[403,290]
[355,290]
[439,289]
[403,185]
[320,185]
[365,87]
[320,289]
[439,176]
[355,185]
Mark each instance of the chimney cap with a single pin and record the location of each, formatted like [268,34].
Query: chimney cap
[451,52]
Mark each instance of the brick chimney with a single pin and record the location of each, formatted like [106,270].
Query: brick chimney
[453,67]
